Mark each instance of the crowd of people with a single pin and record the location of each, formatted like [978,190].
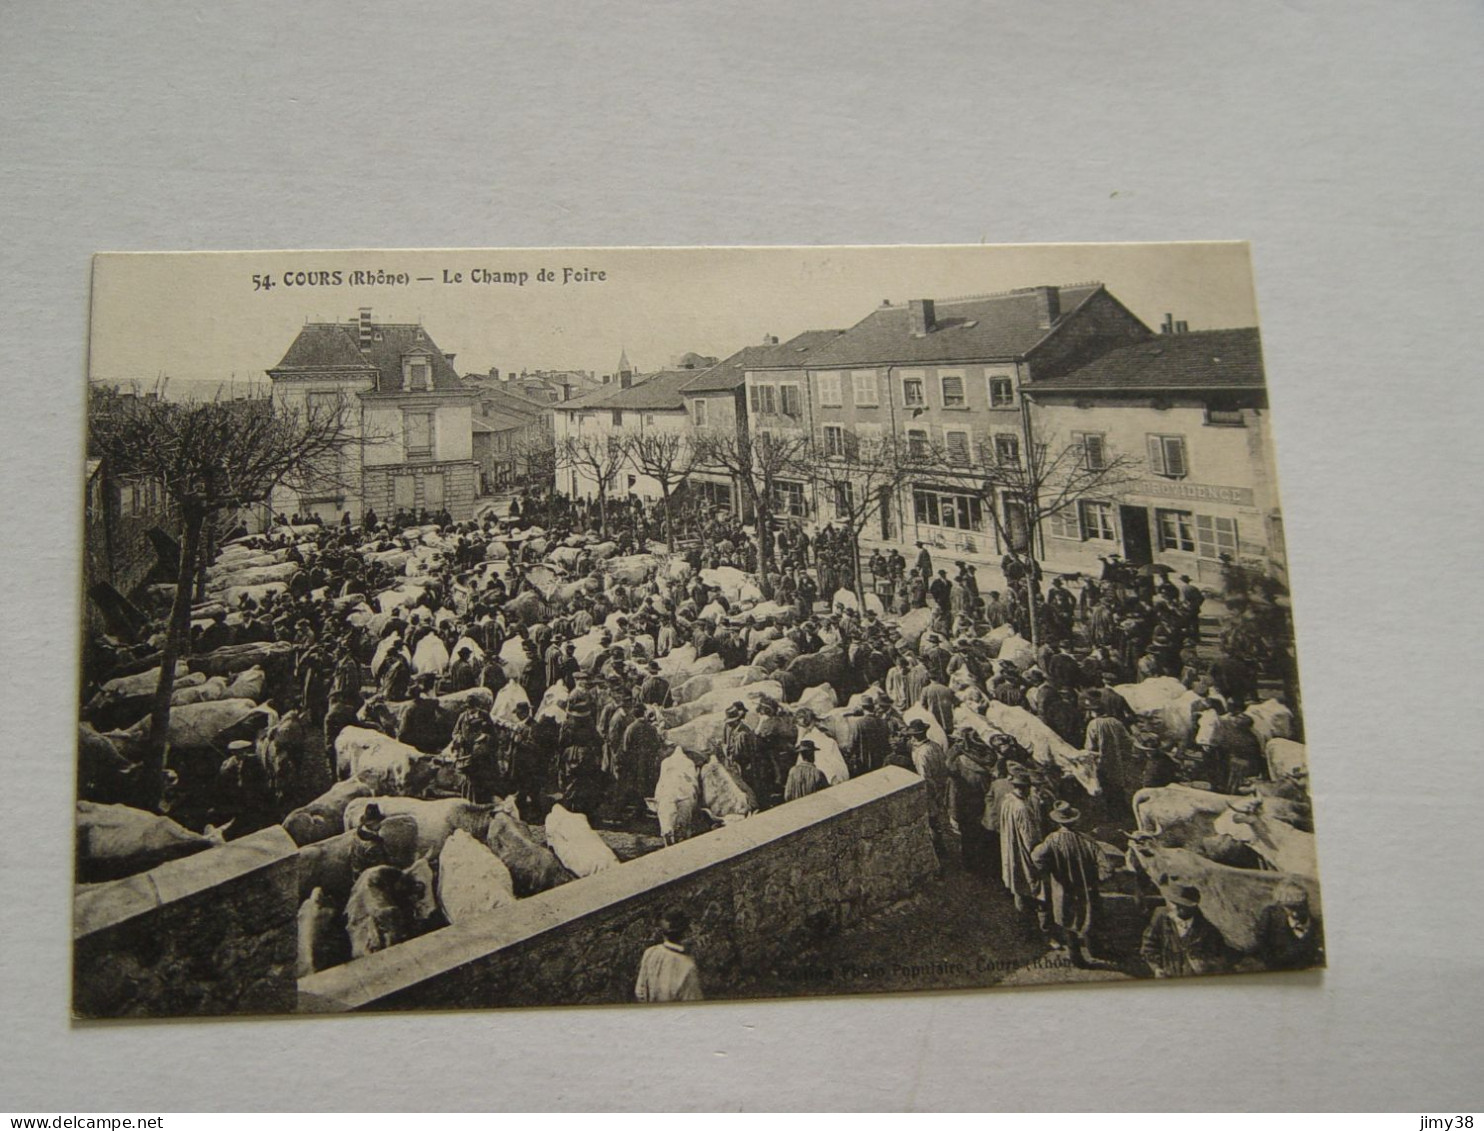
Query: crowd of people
[994,810]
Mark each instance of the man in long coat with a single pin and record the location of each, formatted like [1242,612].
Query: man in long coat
[1020,833]
[1069,862]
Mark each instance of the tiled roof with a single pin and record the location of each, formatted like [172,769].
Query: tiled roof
[1201,359]
[510,402]
[334,348]
[728,374]
[657,392]
[987,326]
[500,422]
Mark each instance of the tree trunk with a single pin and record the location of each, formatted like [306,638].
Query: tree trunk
[1030,601]
[602,510]
[855,553]
[669,521]
[177,641]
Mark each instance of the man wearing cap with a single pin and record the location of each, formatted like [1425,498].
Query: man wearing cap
[1120,769]
[667,972]
[739,743]
[776,737]
[367,849]
[243,783]
[972,765]
[461,674]
[655,690]
[421,727]
[1180,940]
[1069,861]
[827,756]
[804,777]
[580,777]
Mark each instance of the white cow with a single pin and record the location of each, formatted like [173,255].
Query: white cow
[1285,756]
[472,880]
[1271,719]
[677,796]
[581,851]
[1284,847]
[431,655]
[827,757]
[1045,744]
[388,766]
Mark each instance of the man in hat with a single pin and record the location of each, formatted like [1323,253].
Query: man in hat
[972,764]
[739,743]
[461,675]
[477,758]
[421,727]
[367,849]
[667,972]
[580,777]
[931,763]
[924,563]
[243,785]
[655,690]
[1020,833]
[1180,940]
[804,777]
[1288,935]
[870,738]
[776,737]
[827,754]
[1069,861]
[1120,769]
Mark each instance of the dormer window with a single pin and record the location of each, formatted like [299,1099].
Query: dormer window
[417,373]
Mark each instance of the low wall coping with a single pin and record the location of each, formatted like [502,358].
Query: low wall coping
[363,980]
[96,907]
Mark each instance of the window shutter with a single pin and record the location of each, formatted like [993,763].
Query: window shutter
[851,446]
[1156,455]
[1175,457]
[756,394]
[1094,449]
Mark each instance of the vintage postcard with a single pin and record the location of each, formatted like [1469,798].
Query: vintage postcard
[466,629]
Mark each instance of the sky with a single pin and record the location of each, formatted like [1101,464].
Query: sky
[197,317]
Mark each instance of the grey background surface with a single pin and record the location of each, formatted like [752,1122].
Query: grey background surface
[1341,138]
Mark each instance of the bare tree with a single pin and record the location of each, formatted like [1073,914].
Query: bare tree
[209,456]
[757,462]
[599,458]
[857,473]
[667,458]
[534,451]
[1049,479]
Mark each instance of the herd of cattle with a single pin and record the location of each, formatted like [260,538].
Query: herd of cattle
[450,860]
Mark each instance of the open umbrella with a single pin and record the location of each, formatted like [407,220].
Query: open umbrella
[1155,567]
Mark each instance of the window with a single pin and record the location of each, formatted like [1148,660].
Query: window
[917,443]
[1225,417]
[1006,449]
[791,402]
[947,509]
[1167,456]
[404,492]
[433,491]
[618,417]
[717,494]
[1176,530]
[829,390]
[1097,521]
[323,405]
[417,372]
[912,392]
[649,420]
[1215,536]
[765,399]
[844,500]
[834,441]
[1065,523]
[864,382]
[788,499]
[418,430]
[1001,392]
[1094,452]
[958,448]
[700,409]
[953,390]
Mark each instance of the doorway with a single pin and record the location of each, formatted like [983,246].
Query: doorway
[1138,548]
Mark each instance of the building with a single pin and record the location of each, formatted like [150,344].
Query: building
[721,398]
[411,412]
[1188,413]
[943,379]
[602,417]
[129,532]
[513,437]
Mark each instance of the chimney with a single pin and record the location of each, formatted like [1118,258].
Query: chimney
[1048,306]
[449,358]
[1182,327]
[365,321]
[920,317]
[770,339]
[1168,325]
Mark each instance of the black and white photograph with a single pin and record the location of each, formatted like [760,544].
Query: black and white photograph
[545,627]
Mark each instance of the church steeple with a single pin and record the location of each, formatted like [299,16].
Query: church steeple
[623,362]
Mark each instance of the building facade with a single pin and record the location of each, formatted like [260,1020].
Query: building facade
[411,414]
[587,424]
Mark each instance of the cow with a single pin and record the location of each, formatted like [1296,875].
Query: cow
[326,863]
[1017,650]
[1283,846]
[472,880]
[322,943]
[324,817]
[829,665]
[436,820]
[700,733]
[248,684]
[114,841]
[533,867]
[698,685]
[820,699]
[207,691]
[776,656]
[1270,719]
[1285,757]
[581,851]
[1045,744]
[381,910]
[1180,814]
[721,699]
[723,794]
[1151,694]
[383,763]
[633,569]
[913,624]
[431,655]
[1232,899]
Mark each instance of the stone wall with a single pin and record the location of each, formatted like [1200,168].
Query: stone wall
[755,891]
[212,933]
[460,486]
